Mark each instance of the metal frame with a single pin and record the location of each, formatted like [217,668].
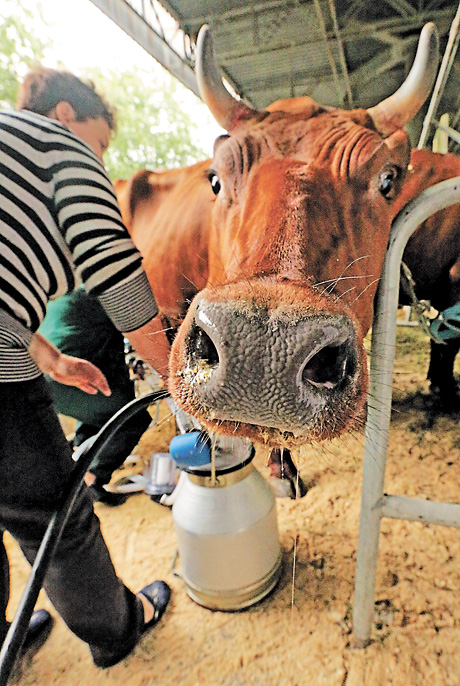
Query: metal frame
[444,71]
[320,55]
[375,504]
[137,23]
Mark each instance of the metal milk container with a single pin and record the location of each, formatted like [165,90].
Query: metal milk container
[226,523]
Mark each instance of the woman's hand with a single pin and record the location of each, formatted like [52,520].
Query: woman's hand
[71,371]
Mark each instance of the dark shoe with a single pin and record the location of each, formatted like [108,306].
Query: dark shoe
[158,595]
[39,629]
[100,495]
[40,626]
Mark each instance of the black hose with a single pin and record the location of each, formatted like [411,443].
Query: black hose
[17,632]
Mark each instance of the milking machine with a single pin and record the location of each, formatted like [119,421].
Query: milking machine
[225,519]
[224,515]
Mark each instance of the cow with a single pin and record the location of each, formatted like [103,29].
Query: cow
[265,260]
[433,257]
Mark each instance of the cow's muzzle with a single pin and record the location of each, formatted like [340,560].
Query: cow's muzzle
[281,368]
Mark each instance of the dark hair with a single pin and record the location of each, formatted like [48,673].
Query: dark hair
[42,89]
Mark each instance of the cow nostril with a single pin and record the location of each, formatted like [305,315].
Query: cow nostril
[202,348]
[329,366]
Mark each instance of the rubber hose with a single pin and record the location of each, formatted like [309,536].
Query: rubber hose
[17,632]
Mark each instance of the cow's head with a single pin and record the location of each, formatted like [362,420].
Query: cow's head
[272,347]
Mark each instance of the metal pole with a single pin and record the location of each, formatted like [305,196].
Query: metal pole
[329,52]
[417,211]
[343,61]
[442,77]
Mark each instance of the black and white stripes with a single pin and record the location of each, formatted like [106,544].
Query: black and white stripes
[60,224]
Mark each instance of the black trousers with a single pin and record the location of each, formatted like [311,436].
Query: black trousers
[81,582]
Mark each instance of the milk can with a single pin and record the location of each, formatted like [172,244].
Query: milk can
[226,524]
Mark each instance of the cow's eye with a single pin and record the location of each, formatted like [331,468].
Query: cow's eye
[387,183]
[214,181]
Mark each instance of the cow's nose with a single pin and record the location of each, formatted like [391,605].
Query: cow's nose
[268,368]
[331,364]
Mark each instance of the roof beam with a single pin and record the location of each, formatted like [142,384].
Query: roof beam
[404,8]
[343,61]
[355,30]
[380,64]
[329,52]
[383,61]
[351,11]
[137,28]
[236,12]
[385,31]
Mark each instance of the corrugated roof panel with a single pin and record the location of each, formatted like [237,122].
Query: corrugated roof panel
[341,52]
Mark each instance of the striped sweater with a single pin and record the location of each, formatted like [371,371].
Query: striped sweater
[60,225]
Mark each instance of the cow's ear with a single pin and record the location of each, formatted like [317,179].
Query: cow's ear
[219,140]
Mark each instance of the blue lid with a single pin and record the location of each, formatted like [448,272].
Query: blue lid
[191,450]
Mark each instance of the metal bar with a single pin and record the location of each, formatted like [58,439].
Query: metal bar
[441,80]
[157,17]
[355,31]
[375,67]
[456,118]
[235,13]
[441,136]
[455,135]
[432,200]
[418,510]
[328,49]
[343,61]
[135,26]
[352,10]
[358,30]
[404,8]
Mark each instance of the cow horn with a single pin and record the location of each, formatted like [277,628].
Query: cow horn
[396,110]
[227,110]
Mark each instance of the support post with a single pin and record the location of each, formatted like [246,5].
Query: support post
[432,200]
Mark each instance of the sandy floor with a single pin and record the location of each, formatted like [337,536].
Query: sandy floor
[301,634]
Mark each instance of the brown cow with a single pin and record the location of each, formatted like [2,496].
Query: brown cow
[282,238]
[433,256]
[168,214]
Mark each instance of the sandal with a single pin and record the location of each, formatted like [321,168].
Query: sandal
[158,594]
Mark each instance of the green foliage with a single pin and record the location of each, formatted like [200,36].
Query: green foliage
[19,47]
[153,127]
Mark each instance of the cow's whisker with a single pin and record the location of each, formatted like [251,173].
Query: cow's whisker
[339,278]
[336,280]
[164,420]
[187,278]
[342,295]
[365,289]
[155,333]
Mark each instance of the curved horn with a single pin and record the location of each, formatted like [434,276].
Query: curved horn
[395,111]
[227,110]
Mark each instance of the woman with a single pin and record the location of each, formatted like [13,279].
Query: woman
[60,224]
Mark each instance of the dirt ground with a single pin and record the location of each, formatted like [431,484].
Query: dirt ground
[301,634]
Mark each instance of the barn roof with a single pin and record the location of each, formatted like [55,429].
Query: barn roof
[345,53]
